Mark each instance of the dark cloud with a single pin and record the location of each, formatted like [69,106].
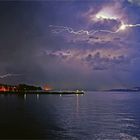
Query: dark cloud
[103,63]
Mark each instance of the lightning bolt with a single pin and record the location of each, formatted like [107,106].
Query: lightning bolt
[131,25]
[8,75]
[60,29]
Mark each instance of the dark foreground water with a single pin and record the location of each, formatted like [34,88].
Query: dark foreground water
[93,116]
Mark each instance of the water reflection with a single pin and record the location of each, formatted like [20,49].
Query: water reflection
[95,115]
[77,105]
[37,96]
[25,96]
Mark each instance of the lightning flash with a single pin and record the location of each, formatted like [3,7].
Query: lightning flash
[60,29]
[125,26]
[106,13]
[8,75]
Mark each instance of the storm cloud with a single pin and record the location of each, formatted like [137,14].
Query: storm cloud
[72,56]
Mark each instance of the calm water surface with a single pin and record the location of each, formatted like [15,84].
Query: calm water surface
[93,116]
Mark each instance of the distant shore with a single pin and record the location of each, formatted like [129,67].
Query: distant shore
[41,92]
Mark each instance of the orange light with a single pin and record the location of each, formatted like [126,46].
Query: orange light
[47,87]
[2,88]
[7,88]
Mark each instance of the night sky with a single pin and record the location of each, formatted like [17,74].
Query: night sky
[74,44]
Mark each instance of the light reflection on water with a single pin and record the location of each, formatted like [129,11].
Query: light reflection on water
[95,115]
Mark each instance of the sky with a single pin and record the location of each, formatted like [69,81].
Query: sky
[74,44]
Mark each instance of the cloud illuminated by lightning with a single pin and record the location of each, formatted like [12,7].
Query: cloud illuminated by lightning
[8,75]
[105,14]
[110,12]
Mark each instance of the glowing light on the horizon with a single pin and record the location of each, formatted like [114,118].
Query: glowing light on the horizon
[2,88]
[47,88]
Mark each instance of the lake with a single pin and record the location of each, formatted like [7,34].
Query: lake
[92,116]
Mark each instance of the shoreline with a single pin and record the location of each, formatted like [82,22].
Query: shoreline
[42,92]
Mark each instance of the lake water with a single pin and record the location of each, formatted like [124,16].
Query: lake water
[93,116]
